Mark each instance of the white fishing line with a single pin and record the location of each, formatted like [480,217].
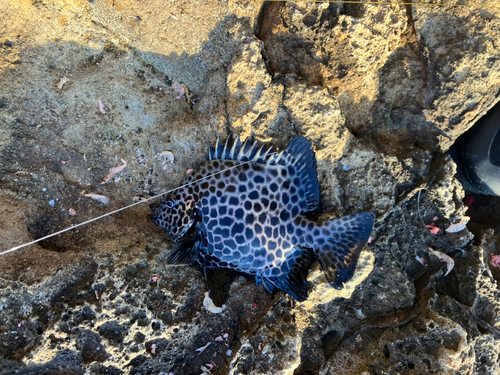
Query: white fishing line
[421,3]
[123,208]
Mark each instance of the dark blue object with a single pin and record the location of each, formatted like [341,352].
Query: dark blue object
[477,154]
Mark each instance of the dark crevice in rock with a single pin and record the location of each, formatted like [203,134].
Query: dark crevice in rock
[330,342]
[286,51]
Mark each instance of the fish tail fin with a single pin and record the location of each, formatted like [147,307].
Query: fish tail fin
[340,244]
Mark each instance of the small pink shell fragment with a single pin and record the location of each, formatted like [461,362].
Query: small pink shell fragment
[218,338]
[153,348]
[155,279]
[435,218]
[433,229]
[203,348]
[495,260]
[189,171]
[114,171]
[101,107]
[72,212]
[178,88]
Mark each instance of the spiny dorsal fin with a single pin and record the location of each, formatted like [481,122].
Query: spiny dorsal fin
[300,157]
[236,150]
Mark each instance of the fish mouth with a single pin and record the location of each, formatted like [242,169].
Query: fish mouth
[154,208]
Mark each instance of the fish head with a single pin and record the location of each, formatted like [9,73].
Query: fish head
[174,215]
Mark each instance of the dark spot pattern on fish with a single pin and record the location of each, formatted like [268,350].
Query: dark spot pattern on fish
[246,214]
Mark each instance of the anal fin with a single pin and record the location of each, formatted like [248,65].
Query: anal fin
[293,279]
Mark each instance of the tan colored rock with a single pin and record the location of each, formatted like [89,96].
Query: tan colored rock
[323,293]
[253,103]
[332,68]
[316,115]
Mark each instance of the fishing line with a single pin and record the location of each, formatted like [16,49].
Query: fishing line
[124,208]
[398,3]
[169,191]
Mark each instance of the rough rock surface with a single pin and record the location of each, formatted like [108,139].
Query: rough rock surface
[380,91]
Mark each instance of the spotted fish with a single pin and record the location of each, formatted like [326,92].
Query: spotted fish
[243,209]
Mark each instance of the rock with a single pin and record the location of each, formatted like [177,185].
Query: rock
[112,331]
[66,362]
[139,337]
[461,74]
[156,326]
[141,317]
[380,103]
[253,103]
[90,346]
[484,13]
[99,368]
[316,114]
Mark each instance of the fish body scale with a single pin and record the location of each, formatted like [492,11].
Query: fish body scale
[249,219]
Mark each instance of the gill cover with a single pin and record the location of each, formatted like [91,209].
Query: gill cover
[174,216]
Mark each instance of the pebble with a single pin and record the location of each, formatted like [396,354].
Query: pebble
[461,75]
[441,51]
[485,14]
[471,105]
[229,352]
[446,70]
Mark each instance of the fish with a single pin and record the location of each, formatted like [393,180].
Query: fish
[244,210]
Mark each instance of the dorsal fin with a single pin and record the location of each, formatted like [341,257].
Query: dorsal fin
[236,150]
[300,157]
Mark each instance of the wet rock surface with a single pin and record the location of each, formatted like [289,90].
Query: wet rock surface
[85,84]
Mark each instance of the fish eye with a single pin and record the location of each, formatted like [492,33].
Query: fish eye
[170,204]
